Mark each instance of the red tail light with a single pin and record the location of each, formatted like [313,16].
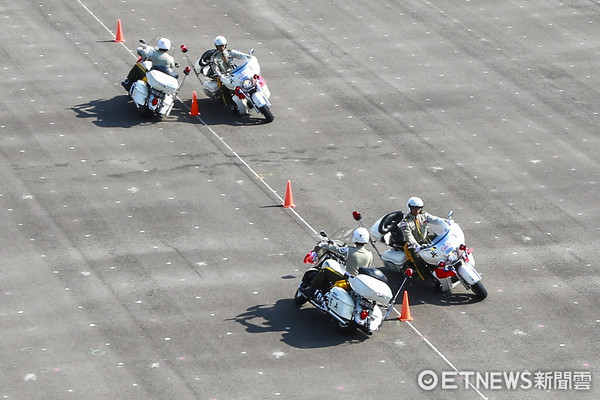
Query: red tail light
[364,314]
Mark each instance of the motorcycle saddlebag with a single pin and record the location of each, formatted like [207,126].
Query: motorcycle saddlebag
[340,302]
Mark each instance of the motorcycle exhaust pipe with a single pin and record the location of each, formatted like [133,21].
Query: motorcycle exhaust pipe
[331,313]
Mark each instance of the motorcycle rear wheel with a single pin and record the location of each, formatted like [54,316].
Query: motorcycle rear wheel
[347,330]
[479,290]
[266,111]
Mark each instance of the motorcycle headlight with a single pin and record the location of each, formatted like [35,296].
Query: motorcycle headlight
[247,83]
[452,256]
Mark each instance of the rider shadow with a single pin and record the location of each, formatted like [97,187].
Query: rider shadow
[304,328]
[420,292]
[215,113]
[110,113]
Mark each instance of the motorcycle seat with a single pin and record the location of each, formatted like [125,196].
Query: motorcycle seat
[373,273]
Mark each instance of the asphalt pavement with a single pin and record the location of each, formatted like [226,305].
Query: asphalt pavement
[152,259]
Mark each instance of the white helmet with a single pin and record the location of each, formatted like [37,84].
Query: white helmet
[220,41]
[164,44]
[360,235]
[414,202]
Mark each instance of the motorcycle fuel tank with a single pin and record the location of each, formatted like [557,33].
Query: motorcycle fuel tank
[371,288]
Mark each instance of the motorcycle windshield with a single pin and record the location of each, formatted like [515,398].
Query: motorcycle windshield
[446,232]
[248,68]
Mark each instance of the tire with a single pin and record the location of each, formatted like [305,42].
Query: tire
[347,330]
[147,113]
[299,298]
[266,111]
[479,290]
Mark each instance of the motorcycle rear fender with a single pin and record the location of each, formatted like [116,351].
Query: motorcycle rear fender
[373,323]
[467,271]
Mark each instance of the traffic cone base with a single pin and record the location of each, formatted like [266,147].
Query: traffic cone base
[194,111]
[120,38]
[289,198]
[405,312]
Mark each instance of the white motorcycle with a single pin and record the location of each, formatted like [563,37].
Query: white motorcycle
[249,89]
[155,94]
[451,261]
[355,302]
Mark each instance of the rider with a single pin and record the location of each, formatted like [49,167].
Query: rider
[221,63]
[160,59]
[414,229]
[356,257]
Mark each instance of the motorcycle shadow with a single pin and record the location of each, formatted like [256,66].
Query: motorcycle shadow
[214,113]
[420,292]
[110,113]
[304,328]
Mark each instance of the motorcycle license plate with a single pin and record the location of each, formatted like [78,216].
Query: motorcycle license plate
[366,304]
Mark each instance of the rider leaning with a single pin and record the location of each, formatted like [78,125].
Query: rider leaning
[414,229]
[159,58]
[221,63]
[355,257]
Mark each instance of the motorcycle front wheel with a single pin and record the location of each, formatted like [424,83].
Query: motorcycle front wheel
[299,298]
[479,290]
[266,111]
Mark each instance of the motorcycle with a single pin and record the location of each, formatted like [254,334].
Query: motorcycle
[155,94]
[451,261]
[355,302]
[249,88]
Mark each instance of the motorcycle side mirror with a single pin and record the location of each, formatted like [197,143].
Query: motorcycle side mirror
[251,51]
[142,41]
[184,48]
[450,214]
[322,233]
[356,215]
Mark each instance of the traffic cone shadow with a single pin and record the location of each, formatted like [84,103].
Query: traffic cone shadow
[120,38]
[194,111]
[289,198]
[405,312]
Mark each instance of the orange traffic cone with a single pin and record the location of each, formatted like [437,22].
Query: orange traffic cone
[405,313]
[194,111]
[119,37]
[289,198]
